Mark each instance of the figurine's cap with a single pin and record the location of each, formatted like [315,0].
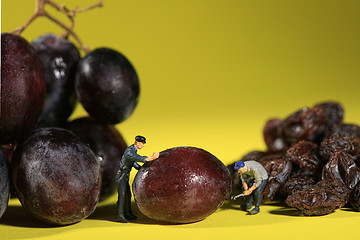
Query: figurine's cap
[140,139]
[238,165]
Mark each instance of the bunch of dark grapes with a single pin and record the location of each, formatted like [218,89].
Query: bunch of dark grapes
[61,169]
[312,159]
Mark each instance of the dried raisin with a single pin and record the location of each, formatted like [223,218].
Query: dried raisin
[334,112]
[278,170]
[355,198]
[349,145]
[341,166]
[344,130]
[305,155]
[300,179]
[323,198]
[305,124]
[274,137]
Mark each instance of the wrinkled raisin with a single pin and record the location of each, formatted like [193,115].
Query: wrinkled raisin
[278,170]
[334,112]
[355,197]
[323,198]
[305,124]
[274,137]
[341,166]
[300,179]
[344,130]
[305,155]
[349,145]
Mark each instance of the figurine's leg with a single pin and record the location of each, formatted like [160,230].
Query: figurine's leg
[258,194]
[128,213]
[121,198]
[247,203]
[249,199]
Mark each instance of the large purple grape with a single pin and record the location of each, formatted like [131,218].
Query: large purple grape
[22,88]
[107,85]
[59,58]
[4,183]
[185,184]
[56,177]
[107,144]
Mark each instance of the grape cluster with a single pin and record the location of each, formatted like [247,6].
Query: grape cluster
[59,170]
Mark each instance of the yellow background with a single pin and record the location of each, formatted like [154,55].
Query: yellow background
[211,74]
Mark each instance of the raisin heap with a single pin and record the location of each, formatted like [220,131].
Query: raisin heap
[312,159]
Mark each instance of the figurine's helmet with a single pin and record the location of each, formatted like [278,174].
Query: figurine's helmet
[238,165]
[140,139]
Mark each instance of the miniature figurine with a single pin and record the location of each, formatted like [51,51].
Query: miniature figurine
[129,159]
[254,178]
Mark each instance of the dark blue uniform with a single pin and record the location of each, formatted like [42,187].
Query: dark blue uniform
[129,159]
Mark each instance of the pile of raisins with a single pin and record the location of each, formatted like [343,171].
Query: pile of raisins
[312,159]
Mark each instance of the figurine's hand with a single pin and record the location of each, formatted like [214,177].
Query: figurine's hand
[247,192]
[153,157]
[156,155]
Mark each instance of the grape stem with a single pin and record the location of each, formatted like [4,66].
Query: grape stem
[41,12]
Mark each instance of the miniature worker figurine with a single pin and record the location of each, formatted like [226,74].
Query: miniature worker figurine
[254,178]
[129,159]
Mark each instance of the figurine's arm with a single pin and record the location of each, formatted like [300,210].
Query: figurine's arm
[153,157]
[245,186]
[136,166]
[258,178]
[250,190]
[135,158]
[243,181]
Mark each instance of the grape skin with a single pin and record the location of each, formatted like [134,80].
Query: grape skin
[108,145]
[59,58]
[56,177]
[4,183]
[107,85]
[22,88]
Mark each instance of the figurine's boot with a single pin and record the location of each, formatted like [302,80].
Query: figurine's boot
[246,206]
[131,216]
[254,211]
[121,218]
[128,213]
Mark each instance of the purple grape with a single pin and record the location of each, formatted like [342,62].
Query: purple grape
[56,177]
[59,58]
[107,144]
[22,88]
[185,184]
[4,183]
[107,85]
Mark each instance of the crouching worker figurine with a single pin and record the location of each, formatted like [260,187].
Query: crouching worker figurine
[254,178]
[129,159]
